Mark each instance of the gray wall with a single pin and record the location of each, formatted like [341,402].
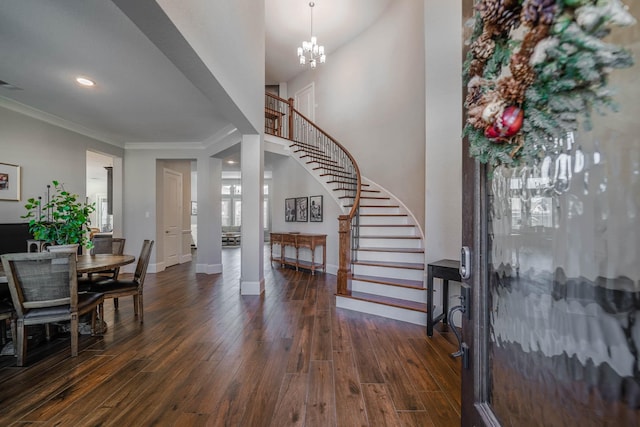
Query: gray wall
[45,153]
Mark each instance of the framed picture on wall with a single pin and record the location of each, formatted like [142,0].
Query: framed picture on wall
[290,210]
[9,182]
[315,209]
[302,205]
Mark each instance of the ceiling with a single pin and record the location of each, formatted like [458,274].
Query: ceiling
[140,95]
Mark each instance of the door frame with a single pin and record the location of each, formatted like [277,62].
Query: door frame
[475,410]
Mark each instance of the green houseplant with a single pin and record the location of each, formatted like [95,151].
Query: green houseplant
[62,220]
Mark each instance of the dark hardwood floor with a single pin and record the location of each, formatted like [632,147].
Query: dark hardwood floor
[208,356]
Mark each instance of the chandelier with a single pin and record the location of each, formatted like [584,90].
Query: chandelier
[310,51]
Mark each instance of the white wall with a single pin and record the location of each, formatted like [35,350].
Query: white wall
[229,38]
[45,153]
[370,97]
[443,149]
[290,179]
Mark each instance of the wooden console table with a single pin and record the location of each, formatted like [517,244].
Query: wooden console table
[300,240]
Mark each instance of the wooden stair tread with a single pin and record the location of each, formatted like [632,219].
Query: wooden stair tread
[307,150]
[393,302]
[392,264]
[376,206]
[320,161]
[340,181]
[319,157]
[374,198]
[395,250]
[328,168]
[342,175]
[305,146]
[403,283]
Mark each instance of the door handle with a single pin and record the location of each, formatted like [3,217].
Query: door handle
[465,262]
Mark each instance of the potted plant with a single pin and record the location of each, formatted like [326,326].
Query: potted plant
[62,220]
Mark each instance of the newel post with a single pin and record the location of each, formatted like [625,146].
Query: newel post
[291,101]
[344,257]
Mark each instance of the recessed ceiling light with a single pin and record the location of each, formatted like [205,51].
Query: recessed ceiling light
[231,162]
[85,81]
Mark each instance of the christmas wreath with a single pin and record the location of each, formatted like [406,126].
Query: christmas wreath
[535,68]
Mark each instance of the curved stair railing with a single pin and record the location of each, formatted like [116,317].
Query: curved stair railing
[332,162]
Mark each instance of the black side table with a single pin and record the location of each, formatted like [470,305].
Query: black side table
[445,269]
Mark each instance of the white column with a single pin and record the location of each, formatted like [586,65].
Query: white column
[252,159]
[209,171]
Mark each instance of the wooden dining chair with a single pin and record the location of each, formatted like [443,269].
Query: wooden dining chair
[7,312]
[44,289]
[107,245]
[116,288]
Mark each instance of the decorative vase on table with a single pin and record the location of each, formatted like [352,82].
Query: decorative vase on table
[62,220]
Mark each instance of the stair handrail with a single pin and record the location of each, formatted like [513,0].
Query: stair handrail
[280,111]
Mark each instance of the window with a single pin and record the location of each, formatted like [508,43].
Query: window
[237,213]
[226,213]
[231,205]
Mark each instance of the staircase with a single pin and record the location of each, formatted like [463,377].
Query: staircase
[385,276]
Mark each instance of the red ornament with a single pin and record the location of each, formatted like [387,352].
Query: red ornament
[507,125]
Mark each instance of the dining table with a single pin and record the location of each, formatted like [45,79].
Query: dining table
[91,263]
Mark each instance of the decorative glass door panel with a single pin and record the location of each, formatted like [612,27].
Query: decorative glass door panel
[555,329]
[564,290]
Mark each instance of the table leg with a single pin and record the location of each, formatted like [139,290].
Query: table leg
[445,300]
[429,301]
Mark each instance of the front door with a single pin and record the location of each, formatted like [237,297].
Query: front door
[172,217]
[554,323]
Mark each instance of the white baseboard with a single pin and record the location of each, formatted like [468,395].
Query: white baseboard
[410,316]
[209,268]
[251,288]
[185,258]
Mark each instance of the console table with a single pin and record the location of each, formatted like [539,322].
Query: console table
[445,269]
[300,240]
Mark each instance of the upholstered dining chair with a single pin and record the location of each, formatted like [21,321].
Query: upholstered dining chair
[44,289]
[116,288]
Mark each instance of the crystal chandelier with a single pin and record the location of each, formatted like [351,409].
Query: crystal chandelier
[310,51]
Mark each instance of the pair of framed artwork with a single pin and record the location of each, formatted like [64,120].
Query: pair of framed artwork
[303,209]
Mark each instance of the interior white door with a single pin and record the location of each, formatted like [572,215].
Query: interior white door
[172,210]
[305,101]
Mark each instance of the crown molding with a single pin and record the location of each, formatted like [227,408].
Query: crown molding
[34,113]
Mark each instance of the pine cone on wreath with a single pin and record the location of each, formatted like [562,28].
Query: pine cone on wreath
[483,47]
[512,90]
[476,68]
[536,12]
[490,10]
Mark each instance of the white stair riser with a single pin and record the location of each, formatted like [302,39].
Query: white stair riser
[404,315]
[383,220]
[390,243]
[388,272]
[387,231]
[379,210]
[416,295]
[390,256]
